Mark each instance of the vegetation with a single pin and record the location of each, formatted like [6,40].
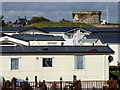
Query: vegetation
[64,21]
[39,19]
[112,24]
[59,24]
[2,23]
[9,24]
[116,73]
[40,22]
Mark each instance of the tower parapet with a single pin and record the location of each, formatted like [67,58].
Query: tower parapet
[87,16]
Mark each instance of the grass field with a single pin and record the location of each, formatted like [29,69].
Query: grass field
[58,24]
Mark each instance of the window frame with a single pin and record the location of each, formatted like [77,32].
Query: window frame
[42,62]
[75,65]
[70,35]
[10,62]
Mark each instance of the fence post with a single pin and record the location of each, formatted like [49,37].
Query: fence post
[44,86]
[7,84]
[79,85]
[14,85]
[43,83]
[35,81]
[61,83]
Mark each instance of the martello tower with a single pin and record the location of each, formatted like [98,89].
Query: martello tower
[87,16]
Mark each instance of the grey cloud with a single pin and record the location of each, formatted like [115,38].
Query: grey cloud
[55,10]
[47,6]
[61,1]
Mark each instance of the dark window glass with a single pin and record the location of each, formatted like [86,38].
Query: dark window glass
[14,63]
[47,62]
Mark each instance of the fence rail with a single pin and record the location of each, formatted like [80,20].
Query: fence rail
[56,85]
[93,84]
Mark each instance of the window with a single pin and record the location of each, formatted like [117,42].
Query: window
[47,62]
[70,36]
[14,63]
[79,62]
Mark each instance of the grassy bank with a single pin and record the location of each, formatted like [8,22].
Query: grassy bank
[58,24]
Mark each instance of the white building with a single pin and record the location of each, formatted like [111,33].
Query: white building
[30,40]
[110,36]
[52,62]
[75,36]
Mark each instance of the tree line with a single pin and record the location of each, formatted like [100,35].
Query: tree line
[34,19]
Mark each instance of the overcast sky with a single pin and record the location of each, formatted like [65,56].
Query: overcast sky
[56,11]
[60,0]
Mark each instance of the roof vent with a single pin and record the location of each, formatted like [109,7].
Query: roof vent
[45,48]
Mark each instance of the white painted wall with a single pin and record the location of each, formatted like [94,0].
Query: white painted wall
[116,55]
[40,43]
[56,33]
[10,33]
[96,68]
[98,42]
[17,41]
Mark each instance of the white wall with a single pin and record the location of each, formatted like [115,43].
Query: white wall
[98,42]
[96,68]
[116,55]
[14,40]
[56,33]
[40,43]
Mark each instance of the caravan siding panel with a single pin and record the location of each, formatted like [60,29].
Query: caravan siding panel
[95,67]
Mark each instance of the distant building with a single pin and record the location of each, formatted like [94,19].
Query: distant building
[88,36]
[103,22]
[87,16]
[30,51]
[21,22]
[51,62]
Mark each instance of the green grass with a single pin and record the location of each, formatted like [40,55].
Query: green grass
[58,24]
[112,24]
[116,73]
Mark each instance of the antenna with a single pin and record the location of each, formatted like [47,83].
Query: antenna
[107,15]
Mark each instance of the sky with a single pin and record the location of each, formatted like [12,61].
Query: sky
[56,11]
[59,0]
